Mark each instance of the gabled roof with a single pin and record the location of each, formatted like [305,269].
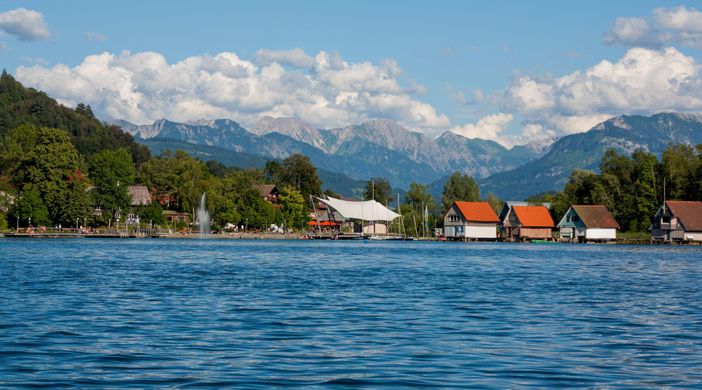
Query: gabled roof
[266,189]
[509,203]
[533,216]
[596,216]
[476,211]
[140,195]
[687,212]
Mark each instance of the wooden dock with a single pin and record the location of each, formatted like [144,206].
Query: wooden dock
[74,233]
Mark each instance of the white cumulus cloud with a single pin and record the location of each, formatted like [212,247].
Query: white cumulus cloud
[643,81]
[323,89]
[488,127]
[24,23]
[667,26]
[293,57]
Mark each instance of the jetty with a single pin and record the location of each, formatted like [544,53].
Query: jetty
[92,233]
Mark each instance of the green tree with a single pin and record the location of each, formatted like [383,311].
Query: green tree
[112,171]
[273,172]
[378,188]
[646,203]
[292,208]
[85,110]
[459,187]
[152,213]
[680,163]
[178,176]
[418,194]
[694,190]
[30,205]
[298,171]
[617,175]
[48,163]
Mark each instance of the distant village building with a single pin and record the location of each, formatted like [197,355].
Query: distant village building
[588,223]
[269,193]
[370,215]
[678,220]
[528,223]
[470,221]
[139,196]
[505,228]
[176,217]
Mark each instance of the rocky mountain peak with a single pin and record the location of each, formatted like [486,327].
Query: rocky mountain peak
[291,127]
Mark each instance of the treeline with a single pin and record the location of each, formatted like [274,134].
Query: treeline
[58,165]
[46,181]
[633,187]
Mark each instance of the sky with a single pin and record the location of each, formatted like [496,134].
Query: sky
[511,71]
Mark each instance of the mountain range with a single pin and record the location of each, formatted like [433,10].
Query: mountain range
[625,134]
[383,148]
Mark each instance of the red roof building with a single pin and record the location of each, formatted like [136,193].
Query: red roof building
[528,223]
[470,221]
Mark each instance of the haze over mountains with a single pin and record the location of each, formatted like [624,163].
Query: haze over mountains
[384,148]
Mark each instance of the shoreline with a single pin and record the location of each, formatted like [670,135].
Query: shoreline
[301,237]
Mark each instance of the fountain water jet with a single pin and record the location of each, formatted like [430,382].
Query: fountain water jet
[203,217]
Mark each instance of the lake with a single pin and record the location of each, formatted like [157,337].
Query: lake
[180,313]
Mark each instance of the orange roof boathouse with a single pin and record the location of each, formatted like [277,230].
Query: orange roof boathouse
[529,223]
[470,221]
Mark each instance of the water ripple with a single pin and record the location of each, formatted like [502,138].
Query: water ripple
[209,313]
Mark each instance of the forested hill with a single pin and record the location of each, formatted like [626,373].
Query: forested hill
[20,105]
[625,134]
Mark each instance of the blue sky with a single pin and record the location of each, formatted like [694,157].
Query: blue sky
[478,69]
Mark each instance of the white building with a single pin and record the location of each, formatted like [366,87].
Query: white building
[588,223]
[470,221]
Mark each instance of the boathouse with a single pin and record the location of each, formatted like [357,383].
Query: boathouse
[469,221]
[588,223]
[529,223]
[678,220]
[504,226]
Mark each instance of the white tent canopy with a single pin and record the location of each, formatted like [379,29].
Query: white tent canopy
[368,210]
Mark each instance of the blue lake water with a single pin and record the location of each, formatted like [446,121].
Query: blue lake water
[141,313]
